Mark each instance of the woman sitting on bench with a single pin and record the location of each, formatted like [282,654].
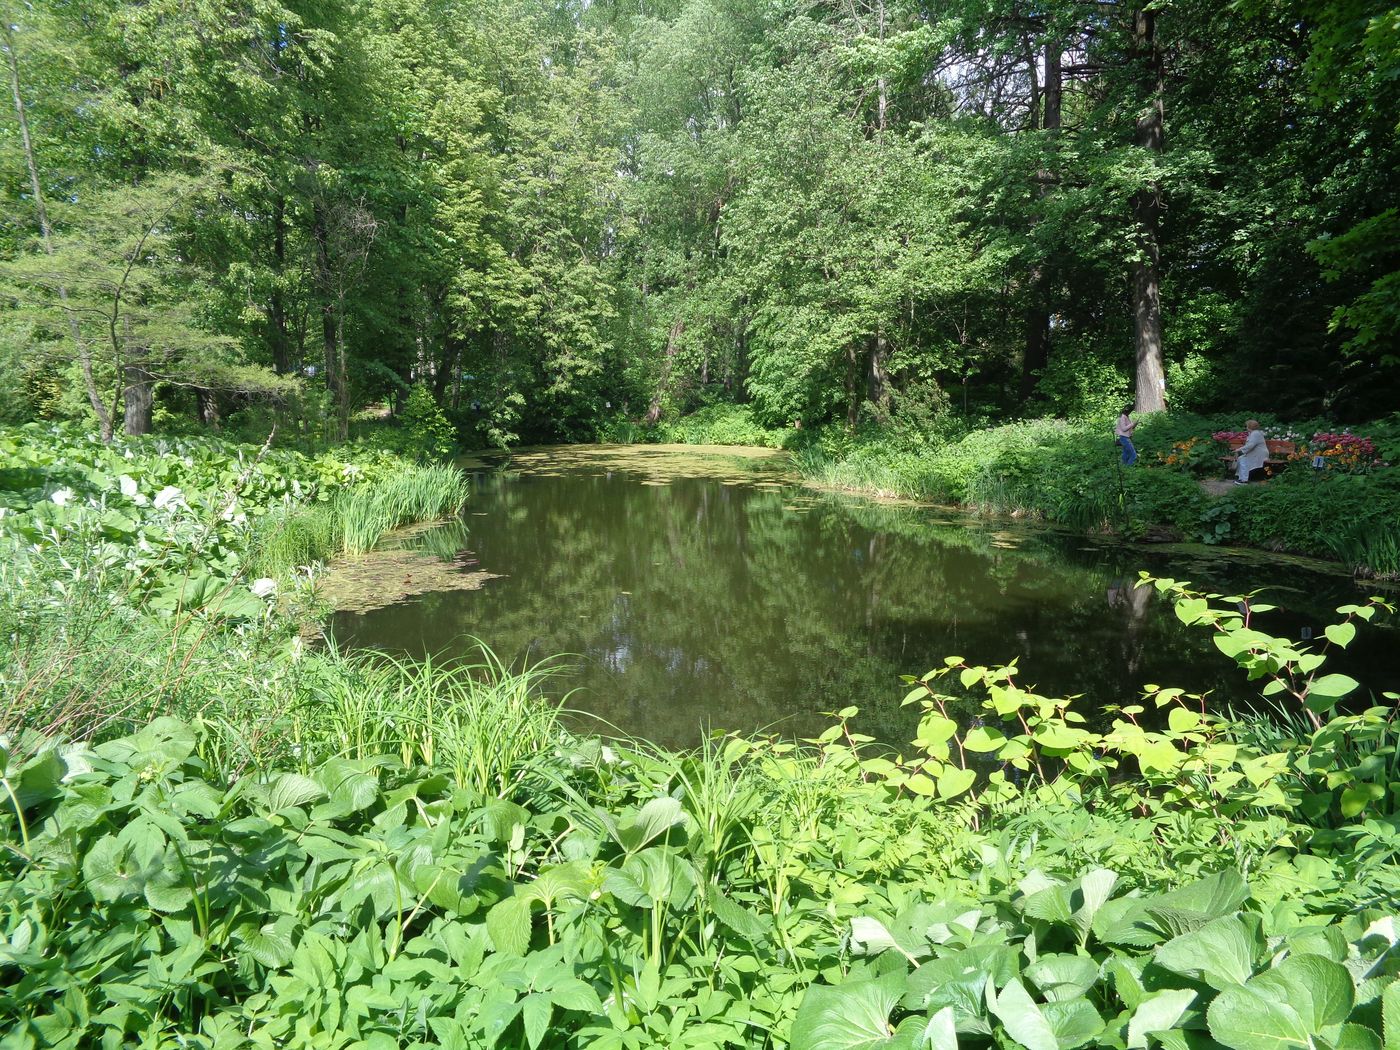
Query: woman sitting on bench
[1253,454]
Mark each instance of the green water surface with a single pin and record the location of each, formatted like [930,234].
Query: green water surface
[699,589]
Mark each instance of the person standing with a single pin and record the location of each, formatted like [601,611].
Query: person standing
[1123,434]
[1253,454]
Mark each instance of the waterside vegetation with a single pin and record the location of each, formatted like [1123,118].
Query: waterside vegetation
[1338,498]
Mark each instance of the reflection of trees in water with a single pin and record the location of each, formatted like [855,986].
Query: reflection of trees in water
[699,602]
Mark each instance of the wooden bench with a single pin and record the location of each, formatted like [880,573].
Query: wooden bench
[1280,452]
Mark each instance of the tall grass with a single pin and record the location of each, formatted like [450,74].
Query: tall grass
[423,493]
[1369,550]
[484,721]
[355,520]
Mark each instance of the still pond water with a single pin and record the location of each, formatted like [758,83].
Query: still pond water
[697,589]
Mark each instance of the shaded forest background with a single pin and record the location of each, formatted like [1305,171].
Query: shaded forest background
[557,215]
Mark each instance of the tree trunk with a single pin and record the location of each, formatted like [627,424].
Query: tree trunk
[330,321]
[1037,346]
[80,347]
[276,308]
[138,397]
[663,381]
[852,387]
[877,386]
[342,371]
[208,407]
[1147,208]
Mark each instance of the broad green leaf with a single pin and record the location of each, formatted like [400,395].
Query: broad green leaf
[651,821]
[1283,1007]
[738,918]
[508,925]
[1191,610]
[1051,904]
[982,739]
[1095,890]
[1021,1018]
[958,981]
[1320,990]
[936,728]
[291,790]
[1222,953]
[265,944]
[536,1013]
[166,891]
[106,870]
[870,937]
[1324,692]
[1340,633]
[1356,1037]
[651,877]
[953,781]
[1243,1020]
[39,779]
[1074,1022]
[1063,977]
[940,1033]
[1357,797]
[1158,1013]
[571,993]
[850,1016]
[349,786]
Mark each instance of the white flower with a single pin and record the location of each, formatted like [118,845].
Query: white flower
[169,496]
[62,496]
[263,588]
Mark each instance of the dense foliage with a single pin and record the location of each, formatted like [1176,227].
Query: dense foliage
[567,220]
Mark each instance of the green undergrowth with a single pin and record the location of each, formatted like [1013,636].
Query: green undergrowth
[370,853]
[217,836]
[182,524]
[713,425]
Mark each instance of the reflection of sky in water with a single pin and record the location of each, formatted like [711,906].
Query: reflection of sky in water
[706,600]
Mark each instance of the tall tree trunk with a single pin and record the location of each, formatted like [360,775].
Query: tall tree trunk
[877,385]
[80,347]
[881,84]
[852,386]
[663,381]
[138,397]
[330,321]
[1147,208]
[1037,347]
[342,371]
[277,308]
[208,407]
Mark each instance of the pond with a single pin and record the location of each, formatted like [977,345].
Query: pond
[696,589]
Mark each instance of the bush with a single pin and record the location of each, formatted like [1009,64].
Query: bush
[722,424]
[427,435]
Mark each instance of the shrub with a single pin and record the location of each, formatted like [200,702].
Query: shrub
[427,433]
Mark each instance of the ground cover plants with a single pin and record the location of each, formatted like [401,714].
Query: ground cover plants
[360,853]
[148,576]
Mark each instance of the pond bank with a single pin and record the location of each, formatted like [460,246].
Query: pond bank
[1068,472]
